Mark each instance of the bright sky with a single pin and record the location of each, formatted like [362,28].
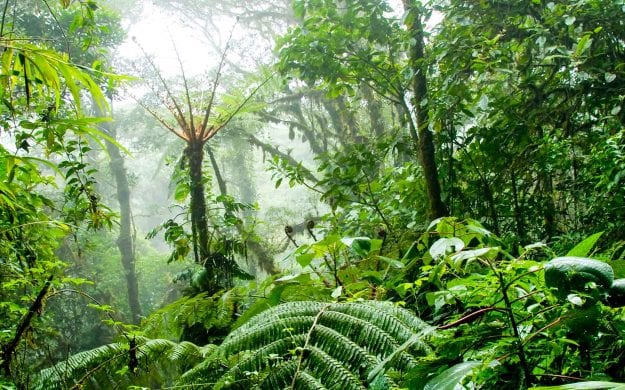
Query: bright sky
[156,33]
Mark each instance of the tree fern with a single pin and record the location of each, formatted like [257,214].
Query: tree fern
[107,366]
[312,345]
[212,312]
[304,345]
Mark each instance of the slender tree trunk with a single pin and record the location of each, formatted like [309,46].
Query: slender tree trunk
[221,183]
[125,241]
[425,142]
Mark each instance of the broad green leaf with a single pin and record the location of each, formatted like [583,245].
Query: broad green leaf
[472,254]
[181,192]
[575,299]
[583,44]
[569,20]
[609,77]
[305,259]
[360,245]
[444,245]
[583,248]
[337,292]
[460,257]
[453,376]
[286,278]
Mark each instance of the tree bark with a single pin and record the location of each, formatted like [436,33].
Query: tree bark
[125,241]
[425,142]
[199,223]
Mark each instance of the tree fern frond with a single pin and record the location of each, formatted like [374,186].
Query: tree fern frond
[290,309]
[204,374]
[282,377]
[183,350]
[64,374]
[320,345]
[271,355]
[211,311]
[398,322]
[262,333]
[331,372]
[357,358]
[107,363]
[308,382]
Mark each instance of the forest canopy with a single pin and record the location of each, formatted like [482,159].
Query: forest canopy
[312,194]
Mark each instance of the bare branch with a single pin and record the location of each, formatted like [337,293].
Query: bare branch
[215,83]
[191,131]
[180,118]
[162,121]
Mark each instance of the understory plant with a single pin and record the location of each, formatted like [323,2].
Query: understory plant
[456,309]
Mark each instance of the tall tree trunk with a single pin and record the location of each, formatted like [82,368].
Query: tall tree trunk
[199,223]
[125,241]
[425,142]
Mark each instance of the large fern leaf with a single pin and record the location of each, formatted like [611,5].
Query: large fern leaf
[314,345]
[107,365]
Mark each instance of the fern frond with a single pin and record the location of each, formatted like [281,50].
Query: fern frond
[264,333]
[319,345]
[64,374]
[205,374]
[106,364]
[282,378]
[306,381]
[331,372]
[216,312]
[356,357]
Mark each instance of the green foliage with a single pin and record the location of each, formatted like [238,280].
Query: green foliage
[325,344]
[492,306]
[212,315]
[532,139]
[48,193]
[526,105]
[43,72]
[129,361]
[334,50]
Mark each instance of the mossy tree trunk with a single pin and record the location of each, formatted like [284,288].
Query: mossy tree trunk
[125,240]
[425,140]
[199,222]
